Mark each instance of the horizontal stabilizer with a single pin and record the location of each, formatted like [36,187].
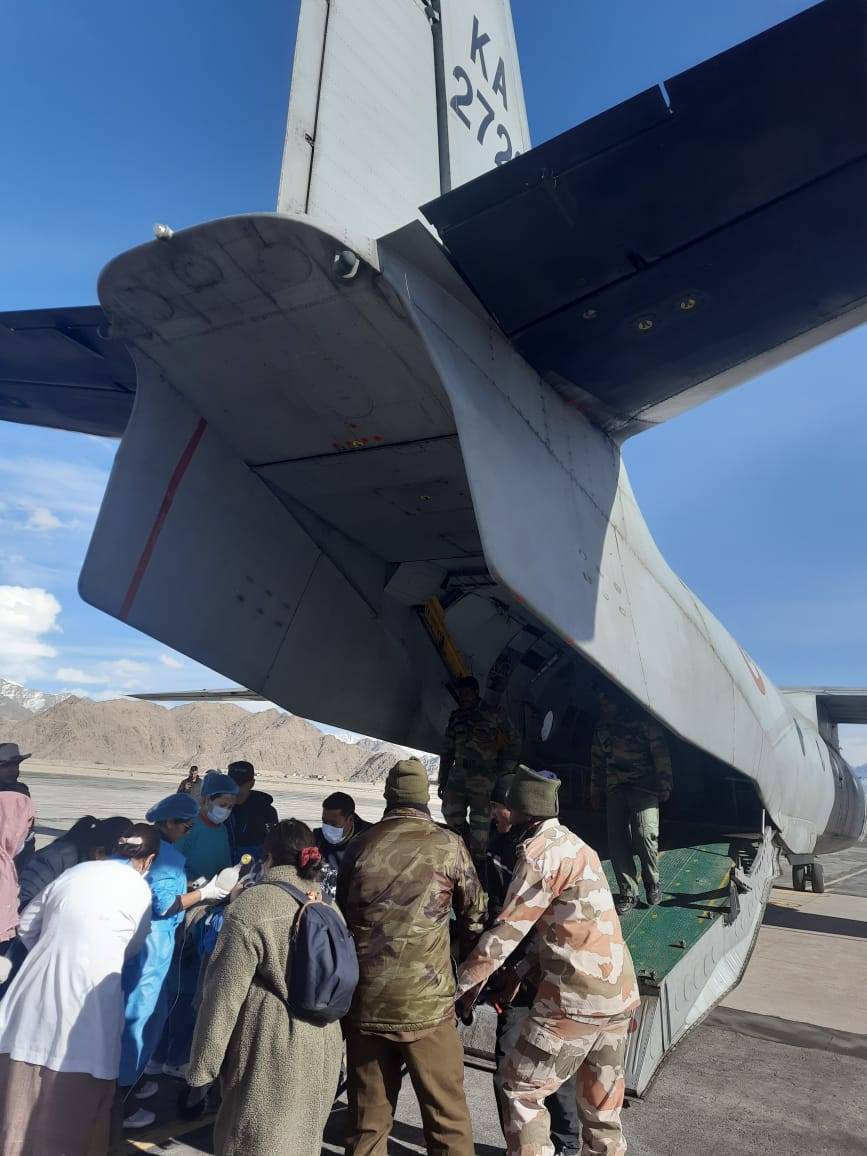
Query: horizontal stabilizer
[835,703]
[59,368]
[232,694]
[690,238]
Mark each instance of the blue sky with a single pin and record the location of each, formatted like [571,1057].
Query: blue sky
[127,114]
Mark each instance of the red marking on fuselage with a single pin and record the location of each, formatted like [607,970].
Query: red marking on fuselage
[755,672]
[163,512]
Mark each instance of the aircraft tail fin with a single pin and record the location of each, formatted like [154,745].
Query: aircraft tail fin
[394,103]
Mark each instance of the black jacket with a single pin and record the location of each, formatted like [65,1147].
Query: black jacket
[332,853]
[248,823]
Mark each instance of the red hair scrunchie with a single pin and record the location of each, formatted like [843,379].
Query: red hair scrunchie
[308,855]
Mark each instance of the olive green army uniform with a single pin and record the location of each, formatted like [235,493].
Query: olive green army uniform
[631,763]
[479,746]
[397,886]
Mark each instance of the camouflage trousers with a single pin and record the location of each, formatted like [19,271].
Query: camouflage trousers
[470,790]
[633,826]
[547,1053]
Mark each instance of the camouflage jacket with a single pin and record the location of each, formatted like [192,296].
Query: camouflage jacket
[631,753]
[479,739]
[396,887]
[560,898]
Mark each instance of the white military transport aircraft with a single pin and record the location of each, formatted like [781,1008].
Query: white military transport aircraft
[374,438]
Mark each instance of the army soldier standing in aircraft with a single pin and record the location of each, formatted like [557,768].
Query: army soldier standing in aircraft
[479,746]
[631,767]
[585,988]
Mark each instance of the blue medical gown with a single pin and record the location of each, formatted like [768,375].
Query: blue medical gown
[144,976]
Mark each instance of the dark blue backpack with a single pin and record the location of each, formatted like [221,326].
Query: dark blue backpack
[324,972]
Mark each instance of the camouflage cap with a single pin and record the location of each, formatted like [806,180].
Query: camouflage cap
[407,782]
[534,793]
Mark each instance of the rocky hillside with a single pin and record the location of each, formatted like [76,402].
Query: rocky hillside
[19,702]
[126,732]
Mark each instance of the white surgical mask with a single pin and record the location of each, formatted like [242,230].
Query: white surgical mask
[332,834]
[218,814]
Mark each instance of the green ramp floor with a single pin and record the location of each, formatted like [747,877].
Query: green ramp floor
[695,891]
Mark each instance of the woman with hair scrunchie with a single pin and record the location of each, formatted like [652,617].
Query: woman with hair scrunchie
[246,1031]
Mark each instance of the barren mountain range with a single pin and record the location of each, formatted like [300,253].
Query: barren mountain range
[125,732]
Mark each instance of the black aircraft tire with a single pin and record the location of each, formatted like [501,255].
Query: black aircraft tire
[817,878]
[799,877]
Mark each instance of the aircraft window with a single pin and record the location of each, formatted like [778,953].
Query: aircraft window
[547,726]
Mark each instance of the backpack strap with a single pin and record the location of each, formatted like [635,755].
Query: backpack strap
[298,895]
[295,892]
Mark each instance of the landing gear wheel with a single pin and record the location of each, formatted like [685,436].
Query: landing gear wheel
[799,877]
[817,878]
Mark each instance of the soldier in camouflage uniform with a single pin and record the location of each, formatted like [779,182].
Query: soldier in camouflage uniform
[631,766]
[586,990]
[396,886]
[479,746]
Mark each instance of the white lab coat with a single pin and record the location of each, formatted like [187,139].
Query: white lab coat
[64,1010]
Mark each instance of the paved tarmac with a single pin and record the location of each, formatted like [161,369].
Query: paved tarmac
[780,1069]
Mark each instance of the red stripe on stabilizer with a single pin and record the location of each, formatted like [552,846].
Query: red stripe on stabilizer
[166,504]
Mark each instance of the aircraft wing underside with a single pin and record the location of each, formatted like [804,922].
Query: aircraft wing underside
[59,368]
[689,238]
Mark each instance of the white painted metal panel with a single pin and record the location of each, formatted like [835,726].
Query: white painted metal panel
[561,529]
[201,556]
[486,114]
[322,363]
[376,141]
[303,106]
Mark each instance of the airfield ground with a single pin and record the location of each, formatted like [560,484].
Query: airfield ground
[781,1068]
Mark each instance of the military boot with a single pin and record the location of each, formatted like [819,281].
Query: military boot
[624,903]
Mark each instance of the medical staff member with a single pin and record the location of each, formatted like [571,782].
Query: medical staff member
[144,977]
[61,1019]
[206,845]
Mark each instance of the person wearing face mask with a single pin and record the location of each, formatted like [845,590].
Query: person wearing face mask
[252,814]
[340,825]
[144,976]
[206,846]
[61,1019]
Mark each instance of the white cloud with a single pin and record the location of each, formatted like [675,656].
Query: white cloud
[108,695]
[853,744]
[125,672]
[42,521]
[44,495]
[27,613]
[170,662]
[73,674]
[16,570]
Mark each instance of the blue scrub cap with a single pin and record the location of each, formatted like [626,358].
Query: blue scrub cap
[180,807]
[218,784]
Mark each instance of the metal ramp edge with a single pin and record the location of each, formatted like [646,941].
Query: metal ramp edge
[708,971]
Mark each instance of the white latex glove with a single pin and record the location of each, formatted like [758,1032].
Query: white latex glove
[212,891]
[5,968]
